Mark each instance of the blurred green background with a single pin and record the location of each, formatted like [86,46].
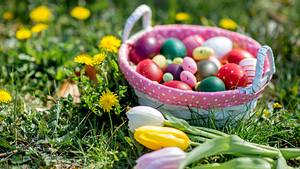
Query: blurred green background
[33,69]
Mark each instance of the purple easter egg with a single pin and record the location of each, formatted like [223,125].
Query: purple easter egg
[189,65]
[147,46]
[191,42]
[175,70]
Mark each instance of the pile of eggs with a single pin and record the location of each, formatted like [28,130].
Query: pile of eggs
[194,63]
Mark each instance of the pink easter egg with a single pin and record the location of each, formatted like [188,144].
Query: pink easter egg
[216,61]
[249,65]
[189,64]
[188,78]
[191,42]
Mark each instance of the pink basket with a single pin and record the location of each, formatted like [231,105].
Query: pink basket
[231,103]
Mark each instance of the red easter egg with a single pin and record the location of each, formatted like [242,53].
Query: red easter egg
[232,75]
[147,47]
[178,85]
[191,42]
[236,55]
[150,70]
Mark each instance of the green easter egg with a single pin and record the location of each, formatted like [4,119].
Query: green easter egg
[211,84]
[173,48]
[168,77]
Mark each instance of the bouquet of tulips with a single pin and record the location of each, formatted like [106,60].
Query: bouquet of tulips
[178,144]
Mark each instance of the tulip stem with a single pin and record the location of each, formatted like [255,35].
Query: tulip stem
[212,131]
[195,144]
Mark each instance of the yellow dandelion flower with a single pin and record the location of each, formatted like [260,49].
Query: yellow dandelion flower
[41,14]
[110,43]
[266,113]
[84,59]
[5,97]
[98,58]
[182,16]
[228,24]
[108,100]
[80,13]
[277,106]
[39,27]
[23,34]
[8,15]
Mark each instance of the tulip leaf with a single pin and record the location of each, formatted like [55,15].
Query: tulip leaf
[281,162]
[239,163]
[227,145]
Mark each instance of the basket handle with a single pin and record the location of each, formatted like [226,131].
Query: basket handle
[142,10]
[260,80]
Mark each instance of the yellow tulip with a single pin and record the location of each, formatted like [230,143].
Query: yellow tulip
[155,137]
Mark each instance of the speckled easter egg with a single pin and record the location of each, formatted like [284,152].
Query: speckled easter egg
[202,53]
[188,78]
[148,46]
[189,64]
[175,70]
[249,67]
[178,85]
[160,60]
[207,68]
[232,75]
[191,42]
[216,61]
[150,70]
[173,48]
[236,55]
[168,77]
[220,44]
[211,84]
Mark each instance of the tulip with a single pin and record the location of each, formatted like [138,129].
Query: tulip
[166,158]
[154,137]
[144,116]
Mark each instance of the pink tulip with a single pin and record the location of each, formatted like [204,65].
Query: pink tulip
[166,158]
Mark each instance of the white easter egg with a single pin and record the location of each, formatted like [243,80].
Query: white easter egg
[220,44]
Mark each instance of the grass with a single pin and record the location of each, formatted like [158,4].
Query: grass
[40,130]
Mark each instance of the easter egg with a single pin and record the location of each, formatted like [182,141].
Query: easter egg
[249,67]
[232,75]
[211,84]
[178,85]
[202,53]
[197,85]
[160,60]
[147,46]
[169,61]
[207,68]
[188,78]
[175,70]
[189,64]
[177,60]
[150,70]
[173,48]
[191,42]
[220,44]
[168,77]
[215,61]
[236,55]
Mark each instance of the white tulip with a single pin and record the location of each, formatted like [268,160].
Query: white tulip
[143,115]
